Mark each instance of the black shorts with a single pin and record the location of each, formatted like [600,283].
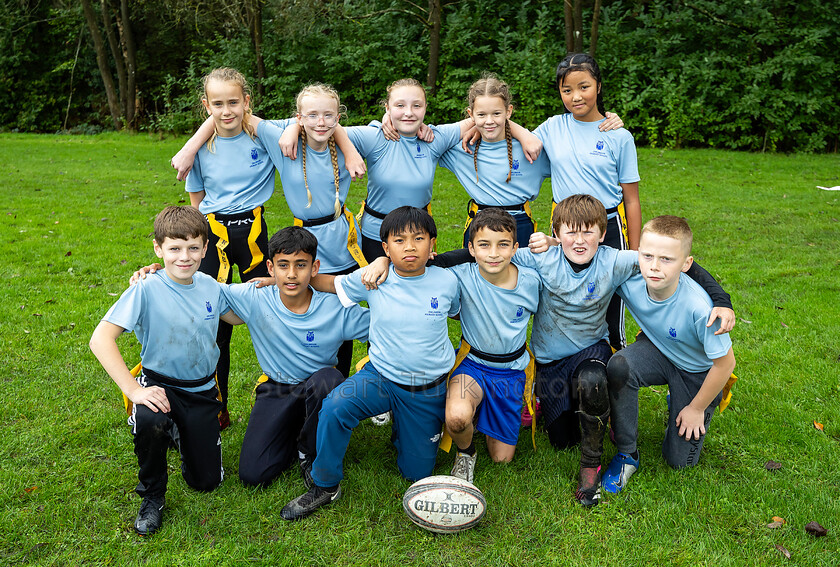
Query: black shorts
[250,260]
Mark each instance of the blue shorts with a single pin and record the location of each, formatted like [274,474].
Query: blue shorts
[500,411]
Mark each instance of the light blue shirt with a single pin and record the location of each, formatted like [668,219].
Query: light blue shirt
[289,346]
[586,160]
[332,236]
[573,306]
[409,336]
[238,177]
[493,167]
[399,173]
[176,324]
[495,319]
[677,326]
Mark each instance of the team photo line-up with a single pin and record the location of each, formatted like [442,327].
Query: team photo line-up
[303,307]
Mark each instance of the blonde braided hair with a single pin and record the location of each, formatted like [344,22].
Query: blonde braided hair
[319,89]
[336,174]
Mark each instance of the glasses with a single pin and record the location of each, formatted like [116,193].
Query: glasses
[329,119]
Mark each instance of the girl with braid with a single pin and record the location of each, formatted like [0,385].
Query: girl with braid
[324,186]
[497,174]
[316,185]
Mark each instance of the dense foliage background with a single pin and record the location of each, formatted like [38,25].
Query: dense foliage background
[742,74]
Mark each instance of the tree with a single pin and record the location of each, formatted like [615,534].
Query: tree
[116,22]
[432,19]
[573,20]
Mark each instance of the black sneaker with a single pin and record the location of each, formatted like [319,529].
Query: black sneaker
[306,471]
[307,503]
[150,516]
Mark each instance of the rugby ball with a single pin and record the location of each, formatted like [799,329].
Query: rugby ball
[444,504]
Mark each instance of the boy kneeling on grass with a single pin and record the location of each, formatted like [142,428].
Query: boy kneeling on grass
[497,300]
[175,314]
[296,333]
[675,348]
[410,357]
[579,277]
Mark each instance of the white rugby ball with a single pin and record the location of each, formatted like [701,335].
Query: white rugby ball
[444,504]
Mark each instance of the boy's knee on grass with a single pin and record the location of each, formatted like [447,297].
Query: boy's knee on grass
[253,480]
[504,457]
[205,483]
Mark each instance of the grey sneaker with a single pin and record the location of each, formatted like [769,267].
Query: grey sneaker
[150,516]
[305,504]
[464,467]
[381,419]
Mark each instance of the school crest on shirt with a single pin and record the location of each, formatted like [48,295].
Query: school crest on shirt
[209,309]
[591,292]
[255,158]
[599,149]
[519,311]
[515,165]
[420,154]
[434,303]
[673,332]
[310,339]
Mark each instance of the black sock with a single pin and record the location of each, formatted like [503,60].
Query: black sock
[469,450]
[635,454]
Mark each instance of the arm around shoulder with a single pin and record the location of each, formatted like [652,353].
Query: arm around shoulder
[531,144]
[720,299]
[184,159]
[323,282]
[231,318]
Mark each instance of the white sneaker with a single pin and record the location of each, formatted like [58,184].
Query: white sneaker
[381,419]
[464,466]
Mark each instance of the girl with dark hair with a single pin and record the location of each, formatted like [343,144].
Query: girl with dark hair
[586,160]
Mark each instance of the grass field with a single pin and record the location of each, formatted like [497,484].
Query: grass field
[78,220]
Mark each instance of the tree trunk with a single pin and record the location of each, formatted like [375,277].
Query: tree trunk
[568,20]
[435,25]
[130,53]
[255,9]
[116,53]
[102,62]
[578,26]
[593,39]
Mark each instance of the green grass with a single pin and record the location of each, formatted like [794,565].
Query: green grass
[77,221]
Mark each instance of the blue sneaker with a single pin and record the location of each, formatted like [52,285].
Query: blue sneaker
[619,471]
